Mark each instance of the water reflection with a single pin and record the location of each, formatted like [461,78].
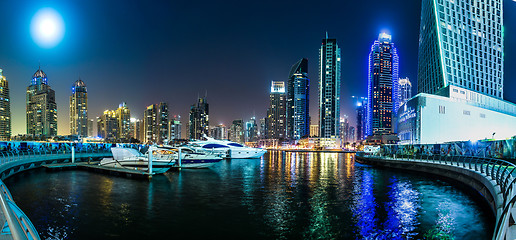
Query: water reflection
[281,196]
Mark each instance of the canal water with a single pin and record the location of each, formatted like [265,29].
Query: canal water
[281,196]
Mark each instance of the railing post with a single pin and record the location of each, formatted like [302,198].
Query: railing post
[73,154]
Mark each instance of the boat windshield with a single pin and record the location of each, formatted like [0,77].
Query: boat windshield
[235,145]
[214,146]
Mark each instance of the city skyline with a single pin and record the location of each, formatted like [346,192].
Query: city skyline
[131,73]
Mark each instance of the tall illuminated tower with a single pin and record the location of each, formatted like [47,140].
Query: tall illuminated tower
[383,87]
[199,123]
[123,115]
[298,92]
[79,109]
[405,90]
[41,106]
[276,114]
[329,88]
[5,109]
[461,44]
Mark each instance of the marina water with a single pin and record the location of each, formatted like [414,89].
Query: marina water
[280,196]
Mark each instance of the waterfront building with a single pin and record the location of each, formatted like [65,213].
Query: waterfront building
[137,129]
[123,115]
[219,132]
[329,88]
[41,106]
[460,76]
[461,43]
[5,109]
[198,125]
[175,128]
[251,130]
[351,134]
[236,131]
[383,87]
[79,109]
[344,129]
[405,90]
[263,128]
[155,122]
[361,120]
[276,114]
[314,130]
[91,131]
[107,126]
[298,92]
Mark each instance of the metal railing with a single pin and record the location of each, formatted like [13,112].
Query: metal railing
[18,224]
[502,172]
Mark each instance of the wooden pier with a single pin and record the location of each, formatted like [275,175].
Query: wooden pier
[93,166]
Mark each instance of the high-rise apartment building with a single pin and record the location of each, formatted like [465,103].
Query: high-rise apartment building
[155,122]
[298,92]
[329,88]
[91,132]
[314,130]
[461,44]
[123,115]
[79,109]
[276,114]
[251,130]
[199,123]
[236,131]
[107,126]
[41,106]
[383,87]
[263,128]
[219,132]
[405,90]
[5,109]
[174,126]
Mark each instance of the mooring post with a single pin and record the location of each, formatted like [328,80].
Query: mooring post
[150,160]
[73,154]
[179,158]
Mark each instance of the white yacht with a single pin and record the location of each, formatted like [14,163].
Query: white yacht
[226,149]
[162,159]
[190,158]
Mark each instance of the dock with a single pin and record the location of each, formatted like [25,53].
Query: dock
[93,166]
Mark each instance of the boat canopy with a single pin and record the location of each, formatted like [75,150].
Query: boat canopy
[213,145]
[235,145]
[120,153]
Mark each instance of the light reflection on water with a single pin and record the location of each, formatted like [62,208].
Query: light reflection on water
[281,196]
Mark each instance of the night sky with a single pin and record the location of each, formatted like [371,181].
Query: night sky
[144,52]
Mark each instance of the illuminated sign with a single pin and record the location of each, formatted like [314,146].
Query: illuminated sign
[408,113]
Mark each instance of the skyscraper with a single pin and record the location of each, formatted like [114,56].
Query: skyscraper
[91,132]
[236,131]
[251,130]
[383,87]
[405,90]
[5,109]
[329,88]
[79,109]
[107,126]
[298,92]
[199,123]
[41,106]
[219,132]
[155,122]
[360,121]
[123,115]
[461,44]
[276,114]
[175,127]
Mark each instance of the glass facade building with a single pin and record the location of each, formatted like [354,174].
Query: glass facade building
[41,106]
[79,109]
[461,44]
[5,109]
[383,87]
[276,114]
[199,124]
[329,89]
[298,92]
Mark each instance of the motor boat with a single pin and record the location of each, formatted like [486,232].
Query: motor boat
[190,158]
[162,159]
[226,149]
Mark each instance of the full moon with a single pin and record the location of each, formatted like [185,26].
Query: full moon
[47,28]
